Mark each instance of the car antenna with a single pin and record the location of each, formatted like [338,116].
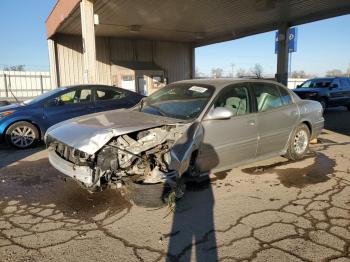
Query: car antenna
[12,92]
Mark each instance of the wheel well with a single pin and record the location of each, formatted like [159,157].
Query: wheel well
[194,157]
[325,98]
[34,124]
[308,124]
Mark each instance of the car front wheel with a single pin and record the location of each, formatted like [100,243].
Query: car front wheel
[299,143]
[22,135]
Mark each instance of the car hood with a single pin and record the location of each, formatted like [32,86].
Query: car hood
[307,90]
[91,132]
[10,107]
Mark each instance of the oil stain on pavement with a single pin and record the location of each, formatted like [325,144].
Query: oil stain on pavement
[26,183]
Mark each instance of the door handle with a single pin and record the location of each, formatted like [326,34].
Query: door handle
[294,113]
[251,122]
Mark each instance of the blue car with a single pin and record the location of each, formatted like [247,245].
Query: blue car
[24,124]
[329,91]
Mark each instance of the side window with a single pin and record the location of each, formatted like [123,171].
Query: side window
[336,82]
[76,96]
[267,96]
[72,97]
[235,98]
[85,95]
[348,81]
[286,98]
[344,83]
[107,94]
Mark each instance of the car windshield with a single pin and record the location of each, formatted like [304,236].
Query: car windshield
[43,96]
[317,83]
[182,101]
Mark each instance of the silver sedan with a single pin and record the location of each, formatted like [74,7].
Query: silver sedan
[186,129]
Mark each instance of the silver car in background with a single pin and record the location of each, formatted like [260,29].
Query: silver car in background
[188,128]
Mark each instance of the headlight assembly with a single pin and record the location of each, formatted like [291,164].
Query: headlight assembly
[6,113]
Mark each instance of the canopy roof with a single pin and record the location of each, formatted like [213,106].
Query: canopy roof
[199,21]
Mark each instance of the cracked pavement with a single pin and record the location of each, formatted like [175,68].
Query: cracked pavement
[274,210]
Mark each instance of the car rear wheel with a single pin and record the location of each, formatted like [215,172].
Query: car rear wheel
[22,135]
[299,143]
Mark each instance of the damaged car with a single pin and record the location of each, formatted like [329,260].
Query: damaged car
[186,129]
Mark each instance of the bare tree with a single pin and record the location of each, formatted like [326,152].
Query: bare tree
[241,72]
[299,74]
[334,72]
[15,68]
[257,70]
[199,74]
[217,72]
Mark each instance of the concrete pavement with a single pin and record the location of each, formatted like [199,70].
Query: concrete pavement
[274,210]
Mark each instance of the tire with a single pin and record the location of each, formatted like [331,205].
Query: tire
[299,143]
[161,194]
[22,135]
[149,195]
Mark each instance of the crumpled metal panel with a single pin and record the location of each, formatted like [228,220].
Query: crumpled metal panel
[90,133]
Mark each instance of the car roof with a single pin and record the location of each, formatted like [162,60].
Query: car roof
[220,83]
[96,86]
[324,78]
[89,85]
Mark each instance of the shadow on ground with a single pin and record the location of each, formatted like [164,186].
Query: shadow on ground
[9,155]
[338,120]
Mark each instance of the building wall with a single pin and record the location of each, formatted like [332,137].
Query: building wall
[173,57]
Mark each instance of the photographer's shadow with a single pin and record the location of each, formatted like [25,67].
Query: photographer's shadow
[193,225]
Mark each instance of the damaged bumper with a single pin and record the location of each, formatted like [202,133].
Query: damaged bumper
[83,174]
[151,154]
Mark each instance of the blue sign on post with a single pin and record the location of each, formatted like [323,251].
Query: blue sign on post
[292,40]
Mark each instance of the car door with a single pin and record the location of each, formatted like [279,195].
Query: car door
[108,99]
[336,93]
[277,116]
[232,140]
[73,103]
[345,90]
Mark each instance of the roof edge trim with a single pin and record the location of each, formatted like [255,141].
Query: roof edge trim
[59,13]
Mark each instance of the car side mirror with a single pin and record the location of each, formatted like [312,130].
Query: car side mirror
[52,102]
[298,86]
[219,113]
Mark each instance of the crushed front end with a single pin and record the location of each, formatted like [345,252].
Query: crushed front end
[141,157]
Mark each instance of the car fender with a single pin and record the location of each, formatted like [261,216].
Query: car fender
[182,150]
[31,119]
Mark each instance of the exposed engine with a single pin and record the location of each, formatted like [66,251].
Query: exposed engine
[142,156]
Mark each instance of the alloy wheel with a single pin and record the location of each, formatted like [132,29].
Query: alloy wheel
[301,142]
[23,136]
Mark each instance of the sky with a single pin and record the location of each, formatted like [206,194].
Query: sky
[322,45]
